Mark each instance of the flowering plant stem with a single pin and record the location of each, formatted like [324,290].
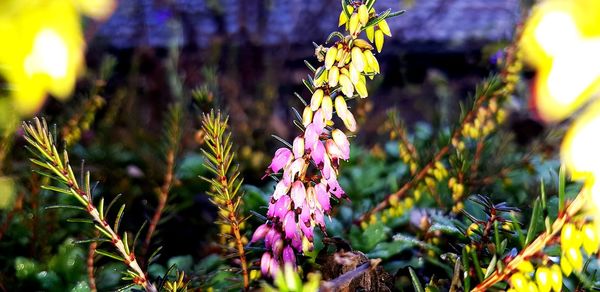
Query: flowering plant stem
[225,194]
[538,244]
[44,148]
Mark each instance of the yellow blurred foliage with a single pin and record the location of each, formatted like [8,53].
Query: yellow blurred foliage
[43,46]
[561,39]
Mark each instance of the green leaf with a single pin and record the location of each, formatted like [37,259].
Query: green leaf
[533,222]
[415,280]
[110,255]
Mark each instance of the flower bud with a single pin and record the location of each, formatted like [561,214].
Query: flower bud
[342,142]
[370,31]
[371,60]
[322,197]
[298,194]
[350,122]
[330,56]
[556,278]
[361,89]
[354,24]
[281,189]
[346,84]
[289,224]
[354,73]
[307,115]
[343,18]
[362,44]
[334,76]
[575,259]
[327,107]
[542,279]
[340,106]
[384,27]
[363,14]
[265,263]
[570,236]
[298,147]
[316,99]
[260,233]
[358,59]
[281,158]
[379,40]
[590,239]
[289,258]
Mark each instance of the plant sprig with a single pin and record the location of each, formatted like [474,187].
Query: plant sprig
[47,157]
[225,185]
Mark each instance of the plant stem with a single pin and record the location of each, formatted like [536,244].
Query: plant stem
[162,199]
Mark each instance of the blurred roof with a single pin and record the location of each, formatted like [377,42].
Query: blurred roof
[161,22]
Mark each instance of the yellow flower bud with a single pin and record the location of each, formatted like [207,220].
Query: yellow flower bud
[519,282]
[543,279]
[472,228]
[570,236]
[340,53]
[315,101]
[590,239]
[575,259]
[363,14]
[358,59]
[340,106]
[371,60]
[556,278]
[370,31]
[343,18]
[353,25]
[362,44]
[354,73]
[566,268]
[385,28]
[334,76]
[327,107]
[330,57]
[525,267]
[349,121]
[379,40]
[361,89]
[346,84]
[307,116]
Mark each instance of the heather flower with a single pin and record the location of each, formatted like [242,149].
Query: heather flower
[309,171]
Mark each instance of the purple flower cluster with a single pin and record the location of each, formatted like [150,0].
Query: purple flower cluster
[302,197]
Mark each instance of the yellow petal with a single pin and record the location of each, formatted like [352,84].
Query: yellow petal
[556,278]
[353,25]
[363,14]
[542,279]
[330,57]
[384,27]
[379,40]
[334,76]
[315,101]
[370,31]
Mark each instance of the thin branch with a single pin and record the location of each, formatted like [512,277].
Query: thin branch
[38,136]
[538,244]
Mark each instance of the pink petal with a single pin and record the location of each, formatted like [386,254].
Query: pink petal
[323,197]
[298,194]
[265,263]
[280,159]
[298,147]
[281,189]
[260,232]
[282,206]
[342,142]
[289,257]
[289,224]
[318,153]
